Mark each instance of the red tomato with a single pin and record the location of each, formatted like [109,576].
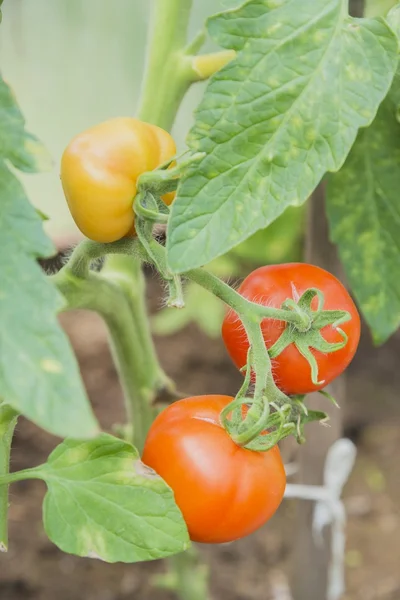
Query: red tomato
[271,286]
[224,491]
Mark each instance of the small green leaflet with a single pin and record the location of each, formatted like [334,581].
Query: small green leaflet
[393,18]
[103,502]
[39,375]
[363,207]
[277,118]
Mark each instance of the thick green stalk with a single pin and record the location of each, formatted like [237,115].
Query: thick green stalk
[8,420]
[136,373]
[132,282]
[168,72]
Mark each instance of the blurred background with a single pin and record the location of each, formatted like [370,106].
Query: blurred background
[73,63]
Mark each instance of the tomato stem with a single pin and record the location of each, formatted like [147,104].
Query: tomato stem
[255,312]
[168,71]
[87,252]
[20,476]
[8,421]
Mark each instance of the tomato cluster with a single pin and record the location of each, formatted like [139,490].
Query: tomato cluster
[224,491]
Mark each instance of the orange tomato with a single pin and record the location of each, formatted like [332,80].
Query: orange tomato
[224,491]
[272,285]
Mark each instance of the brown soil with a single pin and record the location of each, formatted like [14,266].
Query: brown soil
[255,568]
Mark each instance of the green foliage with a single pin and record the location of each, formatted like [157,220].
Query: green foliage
[103,502]
[364,214]
[39,376]
[273,121]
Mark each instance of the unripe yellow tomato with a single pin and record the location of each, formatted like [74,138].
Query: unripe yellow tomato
[99,170]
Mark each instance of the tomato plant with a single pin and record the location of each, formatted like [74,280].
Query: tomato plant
[300,92]
[224,492]
[272,286]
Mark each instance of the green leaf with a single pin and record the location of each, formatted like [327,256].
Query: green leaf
[39,375]
[364,217]
[18,146]
[103,502]
[272,122]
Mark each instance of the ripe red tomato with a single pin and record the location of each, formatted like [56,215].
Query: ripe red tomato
[224,491]
[272,285]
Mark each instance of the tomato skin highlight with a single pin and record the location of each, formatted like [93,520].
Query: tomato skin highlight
[272,285]
[225,492]
[99,170]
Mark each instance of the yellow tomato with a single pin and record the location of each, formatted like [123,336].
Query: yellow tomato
[99,170]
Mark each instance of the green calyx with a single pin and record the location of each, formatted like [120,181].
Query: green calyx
[307,336]
[258,423]
[150,208]
[166,177]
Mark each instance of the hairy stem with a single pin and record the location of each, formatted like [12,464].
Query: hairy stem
[19,476]
[8,420]
[133,284]
[238,303]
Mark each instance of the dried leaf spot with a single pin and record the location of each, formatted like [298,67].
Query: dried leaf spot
[353,26]
[144,470]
